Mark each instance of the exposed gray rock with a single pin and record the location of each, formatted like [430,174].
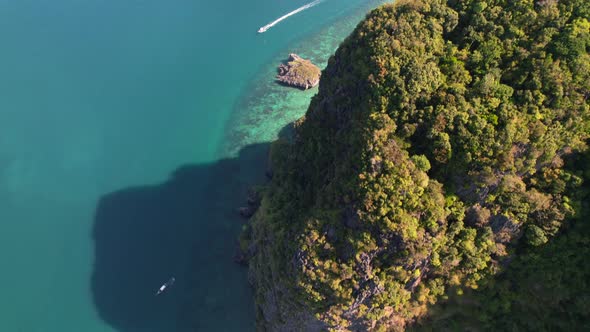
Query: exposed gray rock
[299,72]
[247,211]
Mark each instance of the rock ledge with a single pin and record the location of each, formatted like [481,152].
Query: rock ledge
[299,72]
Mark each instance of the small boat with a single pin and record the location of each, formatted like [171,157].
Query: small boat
[300,9]
[168,283]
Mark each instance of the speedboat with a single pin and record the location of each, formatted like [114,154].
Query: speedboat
[263,29]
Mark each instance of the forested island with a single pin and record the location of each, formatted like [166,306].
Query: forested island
[439,179]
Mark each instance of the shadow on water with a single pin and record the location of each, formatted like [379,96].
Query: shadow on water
[185,227]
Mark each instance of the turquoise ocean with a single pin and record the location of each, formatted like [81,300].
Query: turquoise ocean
[130,132]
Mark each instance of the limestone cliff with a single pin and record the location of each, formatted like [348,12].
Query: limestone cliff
[435,147]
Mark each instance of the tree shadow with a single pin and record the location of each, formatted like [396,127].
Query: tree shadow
[185,227]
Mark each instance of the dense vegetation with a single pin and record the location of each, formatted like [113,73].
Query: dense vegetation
[436,149]
[545,288]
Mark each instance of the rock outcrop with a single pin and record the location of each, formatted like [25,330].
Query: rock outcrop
[299,72]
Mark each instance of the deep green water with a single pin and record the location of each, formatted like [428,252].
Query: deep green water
[129,134]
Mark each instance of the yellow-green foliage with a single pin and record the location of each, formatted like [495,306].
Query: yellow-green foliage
[438,137]
[545,288]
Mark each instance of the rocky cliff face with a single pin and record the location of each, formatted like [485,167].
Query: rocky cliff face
[422,162]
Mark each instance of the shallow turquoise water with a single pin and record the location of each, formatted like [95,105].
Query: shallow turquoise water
[129,133]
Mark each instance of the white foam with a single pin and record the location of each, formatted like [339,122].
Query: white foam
[300,9]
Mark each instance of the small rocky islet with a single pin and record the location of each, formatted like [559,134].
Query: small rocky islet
[299,72]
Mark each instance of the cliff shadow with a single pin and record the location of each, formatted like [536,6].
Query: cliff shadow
[184,228]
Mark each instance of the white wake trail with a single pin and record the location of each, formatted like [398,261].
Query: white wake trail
[300,9]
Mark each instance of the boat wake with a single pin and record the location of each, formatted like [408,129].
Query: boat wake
[300,9]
